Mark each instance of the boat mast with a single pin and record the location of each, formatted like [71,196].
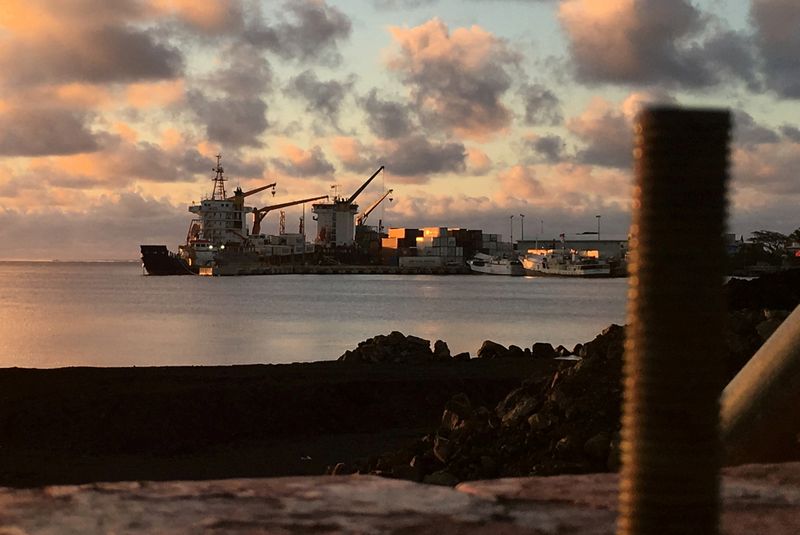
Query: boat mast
[219,182]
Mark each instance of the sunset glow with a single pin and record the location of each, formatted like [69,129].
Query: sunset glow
[478,109]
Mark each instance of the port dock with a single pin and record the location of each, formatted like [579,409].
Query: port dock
[339,269]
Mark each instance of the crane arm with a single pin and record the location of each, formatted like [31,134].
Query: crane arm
[362,217]
[258,215]
[254,191]
[364,185]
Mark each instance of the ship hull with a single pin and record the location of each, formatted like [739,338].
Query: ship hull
[158,260]
[495,268]
[561,268]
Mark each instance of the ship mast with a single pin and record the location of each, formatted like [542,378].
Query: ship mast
[219,182]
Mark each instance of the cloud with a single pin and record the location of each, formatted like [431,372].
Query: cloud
[767,169]
[110,228]
[86,53]
[746,131]
[520,182]
[607,134]
[542,106]
[457,80]
[412,158]
[778,40]
[231,101]
[311,32]
[322,98]
[401,4]
[652,42]
[297,162]
[417,157]
[550,147]
[478,162]
[792,133]
[44,131]
[353,154]
[210,17]
[233,122]
[607,129]
[386,119]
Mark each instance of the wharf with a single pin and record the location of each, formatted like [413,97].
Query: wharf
[761,499]
[337,269]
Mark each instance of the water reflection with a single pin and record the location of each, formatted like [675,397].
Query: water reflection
[109,315]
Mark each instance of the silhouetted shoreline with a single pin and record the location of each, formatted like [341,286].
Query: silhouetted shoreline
[76,425]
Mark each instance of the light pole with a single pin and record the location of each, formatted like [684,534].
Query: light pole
[512,231]
[523,226]
[598,227]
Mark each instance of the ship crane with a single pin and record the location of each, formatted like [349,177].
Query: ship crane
[362,217]
[352,198]
[261,213]
[253,191]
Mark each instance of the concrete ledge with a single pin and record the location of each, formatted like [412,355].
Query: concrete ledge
[762,499]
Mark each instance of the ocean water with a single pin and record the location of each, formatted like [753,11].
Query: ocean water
[110,314]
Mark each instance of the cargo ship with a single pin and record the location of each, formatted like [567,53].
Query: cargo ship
[219,236]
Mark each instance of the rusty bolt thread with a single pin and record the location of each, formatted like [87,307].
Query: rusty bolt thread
[673,352]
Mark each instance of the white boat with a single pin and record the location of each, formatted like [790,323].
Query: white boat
[490,265]
[565,263]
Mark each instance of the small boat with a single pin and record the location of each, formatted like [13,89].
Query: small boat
[490,265]
[565,263]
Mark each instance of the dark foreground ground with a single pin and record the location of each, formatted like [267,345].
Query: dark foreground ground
[75,425]
[393,406]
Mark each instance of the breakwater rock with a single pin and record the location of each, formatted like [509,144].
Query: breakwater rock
[568,422]
[397,348]
[565,423]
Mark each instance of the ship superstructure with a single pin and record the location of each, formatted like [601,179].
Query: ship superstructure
[335,219]
[220,222]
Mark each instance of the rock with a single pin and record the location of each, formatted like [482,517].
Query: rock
[491,350]
[543,350]
[577,350]
[440,350]
[394,347]
[521,410]
[515,352]
[407,472]
[562,351]
[456,411]
[539,422]
[767,327]
[342,469]
[597,447]
[441,448]
[443,478]
[461,356]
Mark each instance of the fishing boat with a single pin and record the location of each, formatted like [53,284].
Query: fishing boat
[492,265]
[565,263]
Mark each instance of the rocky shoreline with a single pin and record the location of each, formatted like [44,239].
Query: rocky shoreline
[442,418]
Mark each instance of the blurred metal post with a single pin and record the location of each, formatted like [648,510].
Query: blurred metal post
[759,416]
[673,353]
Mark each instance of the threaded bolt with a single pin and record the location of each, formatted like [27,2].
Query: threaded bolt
[673,351]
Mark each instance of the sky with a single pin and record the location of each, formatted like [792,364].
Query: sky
[111,112]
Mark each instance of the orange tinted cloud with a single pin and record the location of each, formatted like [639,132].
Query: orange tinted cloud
[478,161]
[155,94]
[83,95]
[24,16]
[602,26]
[457,79]
[208,15]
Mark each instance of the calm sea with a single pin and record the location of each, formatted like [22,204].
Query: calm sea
[109,314]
